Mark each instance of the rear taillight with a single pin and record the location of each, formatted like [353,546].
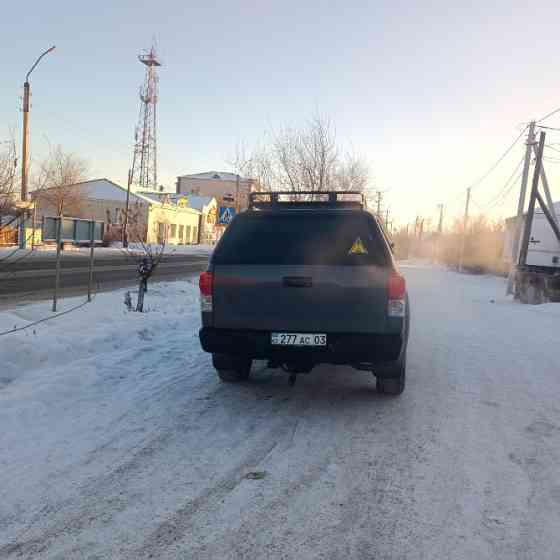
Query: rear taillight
[206,285]
[397,296]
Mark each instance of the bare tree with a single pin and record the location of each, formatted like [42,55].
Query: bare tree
[55,177]
[353,174]
[8,191]
[256,164]
[147,256]
[303,159]
[8,176]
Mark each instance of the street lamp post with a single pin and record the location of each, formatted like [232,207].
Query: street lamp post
[25,147]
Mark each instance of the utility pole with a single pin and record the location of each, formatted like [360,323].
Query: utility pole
[237,194]
[25,151]
[437,244]
[440,224]
[531,210]
[25,146]
[379,197]
[387,219]
[465,222]
[521,203]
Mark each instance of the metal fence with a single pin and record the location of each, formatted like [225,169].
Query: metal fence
[76,230]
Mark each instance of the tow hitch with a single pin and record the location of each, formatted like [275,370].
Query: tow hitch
[294,368]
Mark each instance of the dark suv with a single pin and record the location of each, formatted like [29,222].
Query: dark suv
[305,279]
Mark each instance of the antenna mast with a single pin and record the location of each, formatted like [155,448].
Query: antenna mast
[144,161]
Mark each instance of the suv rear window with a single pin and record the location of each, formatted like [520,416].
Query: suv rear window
[302,238]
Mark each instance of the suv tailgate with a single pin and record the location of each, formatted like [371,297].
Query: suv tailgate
[302,271]
[340,299]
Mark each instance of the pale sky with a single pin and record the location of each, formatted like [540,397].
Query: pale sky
[431,93]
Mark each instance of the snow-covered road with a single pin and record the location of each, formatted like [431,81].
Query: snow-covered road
[118,441]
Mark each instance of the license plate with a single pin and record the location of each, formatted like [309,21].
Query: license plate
[298,339]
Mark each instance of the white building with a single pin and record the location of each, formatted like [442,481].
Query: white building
[210,232]
[154,217]
[228,189]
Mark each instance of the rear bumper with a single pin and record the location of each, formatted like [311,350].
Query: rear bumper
[340,349]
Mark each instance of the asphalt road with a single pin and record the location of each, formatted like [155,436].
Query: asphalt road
[128,446]
[33,276]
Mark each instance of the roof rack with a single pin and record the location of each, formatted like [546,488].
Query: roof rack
[266,200]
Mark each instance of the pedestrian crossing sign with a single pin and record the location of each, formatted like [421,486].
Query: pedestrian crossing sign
[226,215]
[358,248]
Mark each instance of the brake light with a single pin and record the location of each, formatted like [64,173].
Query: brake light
[206,285]
[397,296]
[397,286]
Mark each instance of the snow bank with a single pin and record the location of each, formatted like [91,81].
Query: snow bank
[99,327]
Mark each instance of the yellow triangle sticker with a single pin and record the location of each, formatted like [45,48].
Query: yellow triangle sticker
[358,248]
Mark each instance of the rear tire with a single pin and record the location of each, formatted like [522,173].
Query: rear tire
[391,379]
[232,369]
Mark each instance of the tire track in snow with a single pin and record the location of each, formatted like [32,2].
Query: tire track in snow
[183,519]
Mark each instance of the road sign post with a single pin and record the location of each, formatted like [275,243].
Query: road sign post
[91,247]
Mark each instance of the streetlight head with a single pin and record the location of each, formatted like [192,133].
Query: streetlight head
[37,62]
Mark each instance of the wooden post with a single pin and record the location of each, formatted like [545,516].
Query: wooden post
[58,248]
[546,188]
[532,200]
[92,245]
[465,223]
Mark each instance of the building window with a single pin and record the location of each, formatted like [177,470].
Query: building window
[181,233]
[188,236]
[161,229]
[195,235]
[173,230]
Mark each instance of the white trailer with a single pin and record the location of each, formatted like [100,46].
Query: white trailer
[538,279]
[544,248]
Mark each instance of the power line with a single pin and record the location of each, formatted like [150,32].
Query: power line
[549,115]
[514,175]
[551,148]
[508,186]
[500,159]
[492,167]
[548,127]
[505,192]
